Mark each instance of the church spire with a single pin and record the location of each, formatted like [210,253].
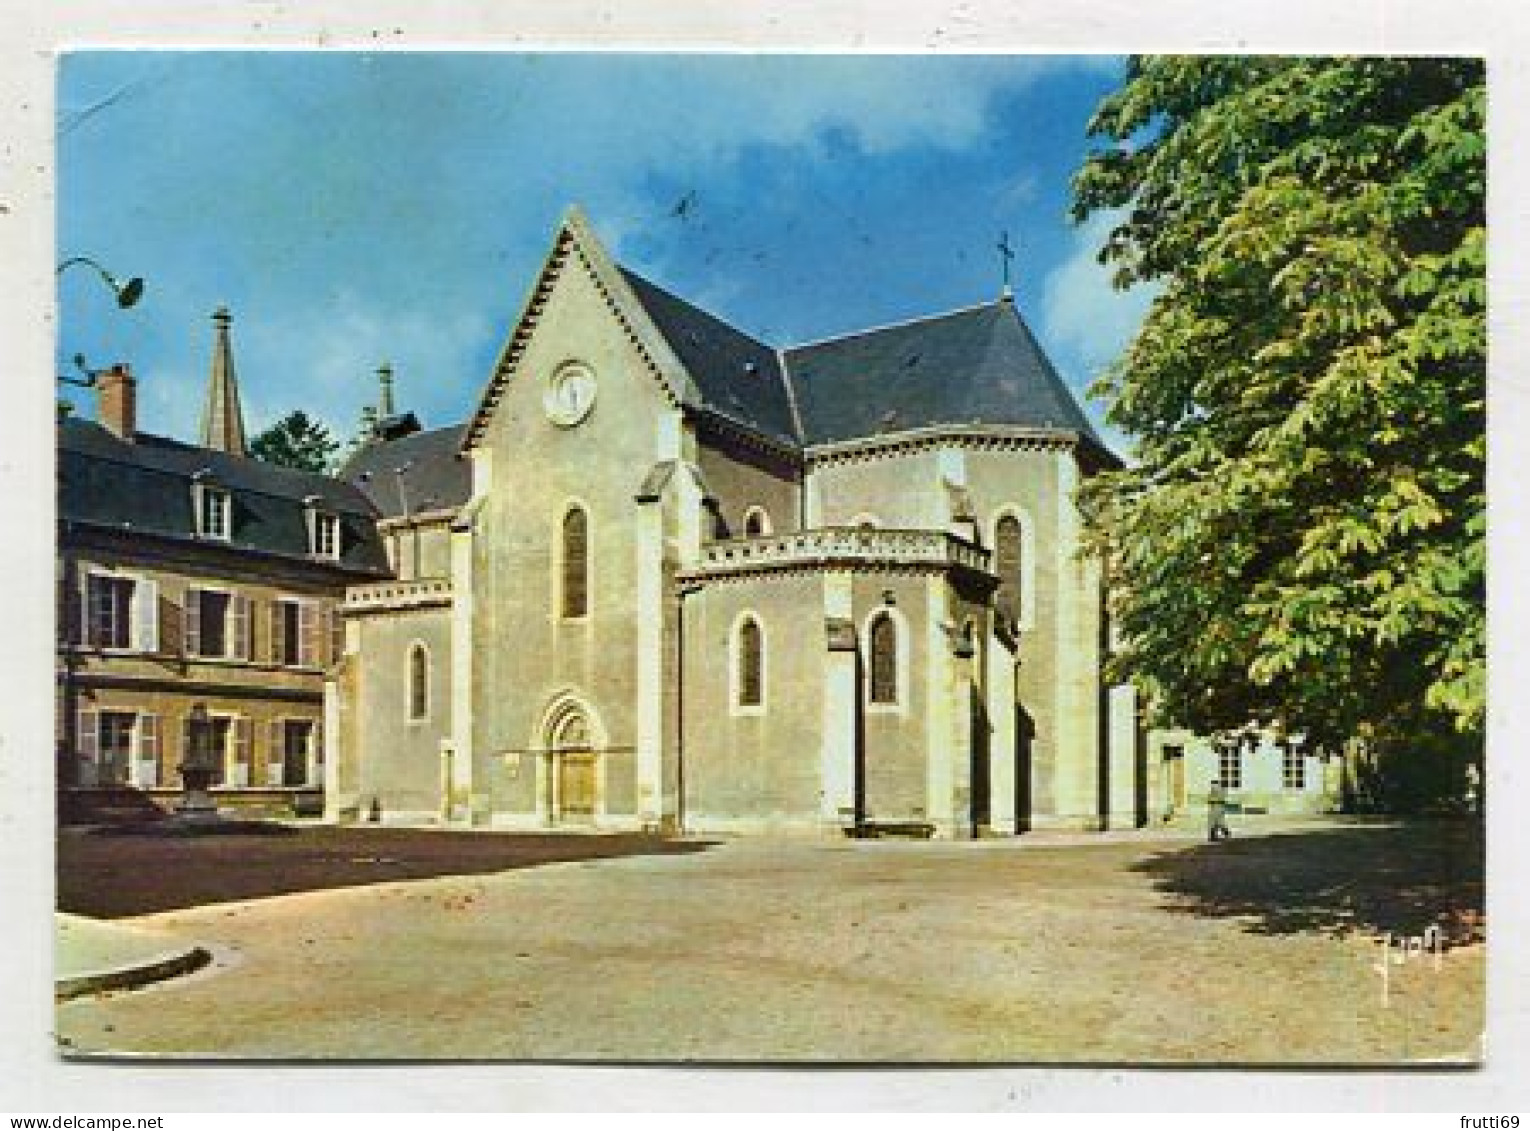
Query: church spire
[385,407]
[222,420]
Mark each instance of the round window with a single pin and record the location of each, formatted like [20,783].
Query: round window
[570,394]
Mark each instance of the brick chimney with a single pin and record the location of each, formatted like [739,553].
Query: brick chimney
[117,401]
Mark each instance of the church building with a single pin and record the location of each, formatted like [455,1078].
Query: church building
[669,577]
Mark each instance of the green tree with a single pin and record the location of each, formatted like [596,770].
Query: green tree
[1301,530]
[296,440]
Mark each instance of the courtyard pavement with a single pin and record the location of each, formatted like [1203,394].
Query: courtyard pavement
[1139,948]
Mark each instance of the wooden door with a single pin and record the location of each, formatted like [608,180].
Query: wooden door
[576,786]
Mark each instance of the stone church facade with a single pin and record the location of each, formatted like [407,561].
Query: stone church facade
[666,577]
[670,577]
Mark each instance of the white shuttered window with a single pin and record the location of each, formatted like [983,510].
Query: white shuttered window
[146,615]
[146,768]
[275,747]
[239,751]
[87,745]
[239,627]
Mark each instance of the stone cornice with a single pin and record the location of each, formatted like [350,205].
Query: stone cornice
[192,551]
[441,516]
[122,681]
[396,596]
[981,437]
[711,419]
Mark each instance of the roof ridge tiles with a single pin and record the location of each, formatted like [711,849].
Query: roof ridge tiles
[900,324]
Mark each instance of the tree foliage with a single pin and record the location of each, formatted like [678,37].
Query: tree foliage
[296,440]
[1301,531]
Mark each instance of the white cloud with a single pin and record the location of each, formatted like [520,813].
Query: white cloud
[883,103]
[1083,312]
[326,363]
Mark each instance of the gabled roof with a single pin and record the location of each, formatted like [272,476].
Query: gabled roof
[978,365]
[419,472]
[735,374]
[576,242]
[981,365]
[145,487]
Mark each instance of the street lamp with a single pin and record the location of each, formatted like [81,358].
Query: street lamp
[127,293]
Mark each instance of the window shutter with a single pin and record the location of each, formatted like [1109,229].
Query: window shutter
[278,637]
[87,745]
[193,622]
[82,621]
[146,772]
[79,619]
[172,627]
[239,626]
[146,615]
[275,753]
[240,726]
[308,633]
[336,634]
[92,604]
[316,752]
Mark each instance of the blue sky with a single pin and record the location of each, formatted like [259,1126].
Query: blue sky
[352,208]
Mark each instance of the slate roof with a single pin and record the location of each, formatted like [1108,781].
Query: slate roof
[736,375]
[435,475]
[145,487]
[979,365]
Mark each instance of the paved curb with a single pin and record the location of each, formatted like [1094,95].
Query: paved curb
[130,977]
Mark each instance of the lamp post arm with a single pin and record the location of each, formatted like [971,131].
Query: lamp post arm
[127,293]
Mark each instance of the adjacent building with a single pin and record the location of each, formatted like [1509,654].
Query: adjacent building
[193,574]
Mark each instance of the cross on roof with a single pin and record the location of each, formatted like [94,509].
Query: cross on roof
[1006,253]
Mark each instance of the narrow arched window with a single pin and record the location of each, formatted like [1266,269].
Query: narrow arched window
[1009,564]
[884,659]
[751,664]
[756,522]
[576,563]
[419,682]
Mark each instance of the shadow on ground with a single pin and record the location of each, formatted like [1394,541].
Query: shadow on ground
[1336,881]
[112,876]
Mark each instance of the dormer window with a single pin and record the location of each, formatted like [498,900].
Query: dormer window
[323,529]
[214,508]
[326,535]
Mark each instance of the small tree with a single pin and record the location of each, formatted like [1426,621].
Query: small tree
[298,441]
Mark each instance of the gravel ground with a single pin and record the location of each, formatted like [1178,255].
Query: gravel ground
[1260,950]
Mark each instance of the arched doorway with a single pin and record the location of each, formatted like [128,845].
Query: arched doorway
[571,783]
